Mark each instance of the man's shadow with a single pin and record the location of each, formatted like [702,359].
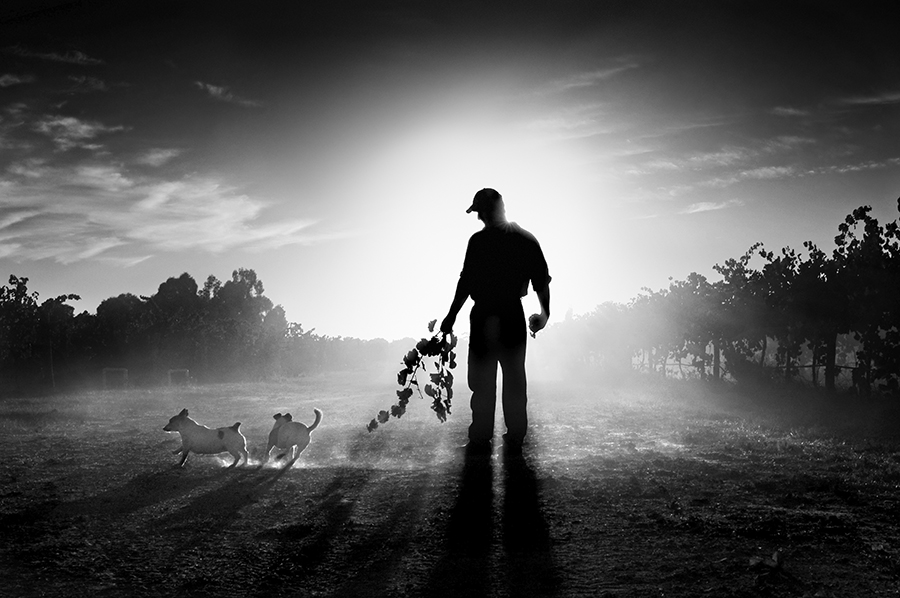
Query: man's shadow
[516,553]
[472,518]
[525,532]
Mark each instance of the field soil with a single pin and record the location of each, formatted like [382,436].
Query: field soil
[626,490]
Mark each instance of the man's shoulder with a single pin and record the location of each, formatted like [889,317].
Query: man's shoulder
[518,230]
[497,234]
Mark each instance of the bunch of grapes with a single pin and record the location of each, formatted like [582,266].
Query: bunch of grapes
[440,348]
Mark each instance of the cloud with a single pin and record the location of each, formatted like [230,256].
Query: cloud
[858,167]
[576,122]
[30,168]
[122,262]
[761,173]
[788,111]
[70,57]
[786,143]
[590,78]
[100,212]
[738,159]
[15,216]
[87,84]
[68,132]
[99,178]
[223,94]
[891,97]
[709,206]
[725,157]
[8,80]
[158,156]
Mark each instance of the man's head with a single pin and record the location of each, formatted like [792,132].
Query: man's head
[488,204]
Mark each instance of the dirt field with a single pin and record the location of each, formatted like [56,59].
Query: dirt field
[667,490]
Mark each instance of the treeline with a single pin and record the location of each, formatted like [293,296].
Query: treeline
[829,319]
[218,332]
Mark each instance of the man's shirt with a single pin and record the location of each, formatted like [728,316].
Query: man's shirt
[500,261]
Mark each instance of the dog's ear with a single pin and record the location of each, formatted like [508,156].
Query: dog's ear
[276,416]
[288,417]
[183,413]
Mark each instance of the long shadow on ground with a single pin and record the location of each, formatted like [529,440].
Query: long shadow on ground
[483,558]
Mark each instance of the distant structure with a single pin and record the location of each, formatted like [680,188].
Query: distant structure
[179,377]
[118,377]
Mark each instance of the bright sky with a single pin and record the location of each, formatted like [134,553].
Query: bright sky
[334,149]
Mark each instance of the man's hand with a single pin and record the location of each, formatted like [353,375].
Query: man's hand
[447,324]
[536,323]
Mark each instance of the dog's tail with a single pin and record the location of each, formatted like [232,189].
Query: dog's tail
[315,424]
[236,426]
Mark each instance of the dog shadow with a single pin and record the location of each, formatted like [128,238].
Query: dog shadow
[218,506]
[140,492]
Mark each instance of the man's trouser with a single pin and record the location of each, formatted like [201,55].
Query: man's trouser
[497,336]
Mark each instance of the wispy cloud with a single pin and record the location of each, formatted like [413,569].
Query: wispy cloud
[224,94]
[70,57]
[857,167]
[750,174]
[575,122]
[709,206]
[68,132]
[14,216]
[890,97]
[100,212]
[789,111]
[157,157]
[728,156]
[741,160]
[590,78]
[8,80]
[29,168]
[87,84]
[733,178]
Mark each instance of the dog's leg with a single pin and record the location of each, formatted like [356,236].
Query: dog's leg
[183,457]
[294,456]
[302,446]
[237,457]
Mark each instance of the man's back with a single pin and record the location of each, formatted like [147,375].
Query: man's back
[500,261]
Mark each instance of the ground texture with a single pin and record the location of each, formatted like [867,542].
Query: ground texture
[627,490]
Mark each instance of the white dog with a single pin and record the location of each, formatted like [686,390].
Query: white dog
[205,441]
[290,435]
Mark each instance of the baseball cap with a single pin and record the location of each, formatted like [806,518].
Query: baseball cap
[484,200]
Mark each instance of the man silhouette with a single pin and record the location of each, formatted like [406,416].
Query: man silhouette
[500,261]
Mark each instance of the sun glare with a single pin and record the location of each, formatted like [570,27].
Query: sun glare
[409,206]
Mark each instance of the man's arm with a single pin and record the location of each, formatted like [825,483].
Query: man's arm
[459,298]
[537,322]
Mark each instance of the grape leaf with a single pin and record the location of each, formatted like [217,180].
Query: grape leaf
[441,388]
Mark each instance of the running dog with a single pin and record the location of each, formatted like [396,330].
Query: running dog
[206,441]
[290,435]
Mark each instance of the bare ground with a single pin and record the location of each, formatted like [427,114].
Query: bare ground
[629,490]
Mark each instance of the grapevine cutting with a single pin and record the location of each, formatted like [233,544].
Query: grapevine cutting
[439,350]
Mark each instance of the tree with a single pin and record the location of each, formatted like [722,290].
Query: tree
[869,270]
[175,322]
[18,326]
